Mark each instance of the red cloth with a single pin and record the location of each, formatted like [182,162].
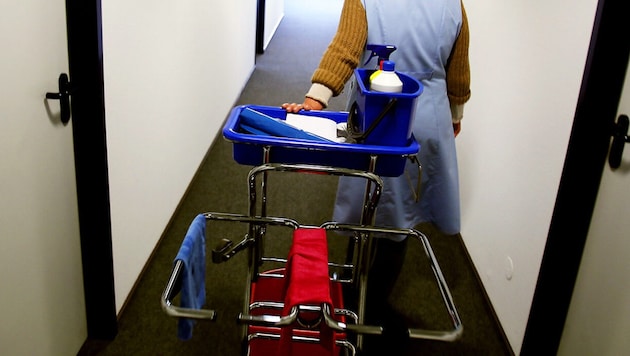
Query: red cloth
[307,281]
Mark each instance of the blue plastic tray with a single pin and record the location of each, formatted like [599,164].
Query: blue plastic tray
[248,148]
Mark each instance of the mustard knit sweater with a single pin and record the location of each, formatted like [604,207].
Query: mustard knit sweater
[347,47]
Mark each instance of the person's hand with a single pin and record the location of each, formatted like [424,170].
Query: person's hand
[457,127]
[309,104]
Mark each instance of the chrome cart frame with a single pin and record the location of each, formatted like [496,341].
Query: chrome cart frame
[360,247]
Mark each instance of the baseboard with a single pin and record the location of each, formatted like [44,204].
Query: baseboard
[486,297]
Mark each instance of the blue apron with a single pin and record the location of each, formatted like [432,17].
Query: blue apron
[424,36]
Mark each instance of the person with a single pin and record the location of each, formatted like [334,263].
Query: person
[432,45]
[432,42]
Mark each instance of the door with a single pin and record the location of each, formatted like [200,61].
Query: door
[583,236]
[599,316]
[42,306]
[46,308]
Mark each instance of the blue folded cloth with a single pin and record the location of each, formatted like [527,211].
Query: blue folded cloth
[261,124]
[193,255]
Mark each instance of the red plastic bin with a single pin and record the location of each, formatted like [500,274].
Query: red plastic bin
[270,289]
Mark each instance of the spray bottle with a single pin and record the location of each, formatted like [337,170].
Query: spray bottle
[384,79]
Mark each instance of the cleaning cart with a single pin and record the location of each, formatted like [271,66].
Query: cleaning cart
[297,303]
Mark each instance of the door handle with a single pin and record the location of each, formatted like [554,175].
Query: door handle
[620,138]
[63,96]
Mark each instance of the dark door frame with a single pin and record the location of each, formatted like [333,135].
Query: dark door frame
[595,116]
[85,59]
[260,26]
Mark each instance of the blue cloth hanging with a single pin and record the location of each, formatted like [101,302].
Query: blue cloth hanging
[193,255]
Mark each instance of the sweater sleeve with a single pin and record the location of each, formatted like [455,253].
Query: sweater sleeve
[458,67]
[343,53]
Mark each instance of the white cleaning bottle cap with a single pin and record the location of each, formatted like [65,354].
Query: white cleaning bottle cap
[386,80]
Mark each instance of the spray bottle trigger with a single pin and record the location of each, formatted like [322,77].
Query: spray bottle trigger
[380,51]
[372,55]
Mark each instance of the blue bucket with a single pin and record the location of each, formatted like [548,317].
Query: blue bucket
[384,119]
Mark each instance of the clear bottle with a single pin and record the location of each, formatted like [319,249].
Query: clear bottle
[386,80]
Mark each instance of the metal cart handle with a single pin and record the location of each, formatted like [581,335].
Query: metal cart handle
[172,289]
[282,321]
[278,321]
[448,335]
[370,199]
[380,330]
[270,320]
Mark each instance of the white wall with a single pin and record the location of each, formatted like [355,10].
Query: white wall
[173,70]
[527,59]
[274,12]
